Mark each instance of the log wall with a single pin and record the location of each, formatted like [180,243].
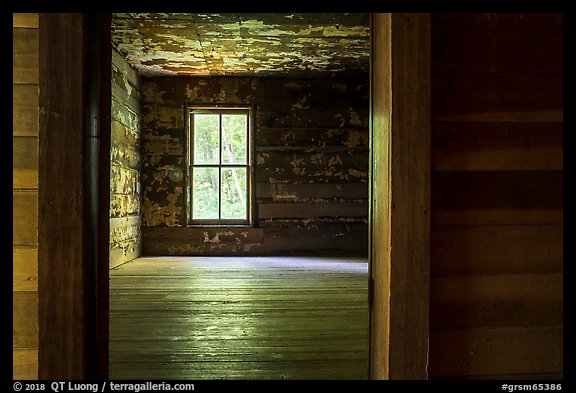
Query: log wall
[311,166]
[125,163]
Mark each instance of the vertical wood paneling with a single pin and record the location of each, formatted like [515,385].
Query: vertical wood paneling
[410,193]
[380,240]
[25,195]
[63,274]
[497,195]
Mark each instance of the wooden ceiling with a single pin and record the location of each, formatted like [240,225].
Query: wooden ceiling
[236,44]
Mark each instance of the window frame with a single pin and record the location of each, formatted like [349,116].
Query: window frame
[189,151]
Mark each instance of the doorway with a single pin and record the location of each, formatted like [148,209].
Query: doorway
[310,156]
[406,359]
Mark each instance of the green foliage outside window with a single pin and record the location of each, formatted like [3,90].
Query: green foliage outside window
[220,184]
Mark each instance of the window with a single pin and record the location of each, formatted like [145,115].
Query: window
[219,162]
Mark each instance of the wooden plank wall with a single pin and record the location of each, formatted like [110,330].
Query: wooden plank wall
[311,166]
[125,163]
[25,194]
[496,239]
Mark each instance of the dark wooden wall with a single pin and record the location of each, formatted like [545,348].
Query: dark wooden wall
[311,166]
[25,196]
[125,163]
[496,238]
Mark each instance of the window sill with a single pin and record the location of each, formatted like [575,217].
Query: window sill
[219,226]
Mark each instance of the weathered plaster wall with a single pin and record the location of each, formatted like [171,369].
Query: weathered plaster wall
[125,163]
[311,166]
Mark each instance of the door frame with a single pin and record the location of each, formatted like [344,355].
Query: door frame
[399,222]
[73,270]
[73,195]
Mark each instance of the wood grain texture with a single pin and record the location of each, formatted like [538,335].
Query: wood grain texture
[379,214]
[25,364]
[485,198]
[497,146]
[302,192]
[308,138]
[496,300]
[279,237]
[472,353]
[400,208]
[239,318]
[25,268]
[410,197]
[25,319]
[26,20]
[25,110]
[311,210]
[25,55]
[316,237]
[62,262]
[491,20]
[506,249]
[497,196]
[25,218]
[308,164]
[497,97]
[25,48]
[498,49]
[25,162]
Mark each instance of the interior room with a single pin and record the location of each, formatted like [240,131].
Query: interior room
[305,80]
[287,196]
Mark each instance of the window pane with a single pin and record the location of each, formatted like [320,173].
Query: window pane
[234,139]
[234,191]
[205,193]
[206,139]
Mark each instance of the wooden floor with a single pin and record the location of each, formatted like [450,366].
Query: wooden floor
[192,318]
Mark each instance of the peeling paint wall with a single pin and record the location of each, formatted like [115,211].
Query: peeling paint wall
[311,166]
[125,163]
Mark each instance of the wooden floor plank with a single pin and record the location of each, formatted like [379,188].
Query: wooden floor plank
[239,318]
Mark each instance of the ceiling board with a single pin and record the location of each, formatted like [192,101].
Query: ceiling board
[266,44]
